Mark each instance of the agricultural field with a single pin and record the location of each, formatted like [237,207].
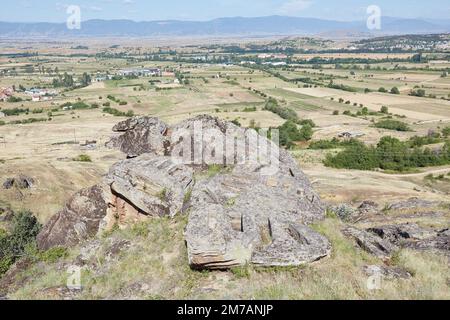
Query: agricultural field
[65,98]
[45,148]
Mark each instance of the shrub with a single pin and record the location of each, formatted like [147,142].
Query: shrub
[335,112]
[83,158]
[395,90]
[358,157]
[14,99]
[25,228]
[383,90]
[54,254]
[250,109]
[384,110]
[282,112]
[392,125]
[446,132]
[418,93]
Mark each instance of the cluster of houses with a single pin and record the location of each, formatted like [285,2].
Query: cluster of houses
[41,94]
[152,72]
[6,93]
[272,56]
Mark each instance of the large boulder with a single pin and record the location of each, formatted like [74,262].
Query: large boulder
[150,185]
[248,201]
[371,243]
[139,135]
[79,220]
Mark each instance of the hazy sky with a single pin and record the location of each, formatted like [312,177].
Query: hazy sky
[140,10]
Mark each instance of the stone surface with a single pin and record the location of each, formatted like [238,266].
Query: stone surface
[368,207]
[78,220]
[149,185]
[139,135]
[255,210]
[413,203]
[20,182]
[386,272]
[438,243]
[402,233]
[242,217]
[371,243]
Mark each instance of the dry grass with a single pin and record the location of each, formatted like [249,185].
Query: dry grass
[156,267]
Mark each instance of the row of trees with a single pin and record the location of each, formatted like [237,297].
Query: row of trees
[66,81]
[389,154]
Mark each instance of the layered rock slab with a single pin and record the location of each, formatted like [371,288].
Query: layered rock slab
[256,210]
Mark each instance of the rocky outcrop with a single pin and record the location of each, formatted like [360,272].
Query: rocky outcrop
[243,217]
[413,203]
[149,185]
[254,207]
[79,220]
[20,182]
[389,273]
[371,243]
[139,135]
[383,241]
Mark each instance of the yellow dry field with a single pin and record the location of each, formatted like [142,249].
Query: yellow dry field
[45,150]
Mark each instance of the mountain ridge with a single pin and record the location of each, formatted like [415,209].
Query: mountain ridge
[269,25]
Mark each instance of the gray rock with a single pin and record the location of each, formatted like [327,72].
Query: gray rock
[413,203]
[253,212]
[368,207]
[151,184]
[389,273]
[77,221]
[20,182]
[243,217]
[439,243]
[371,243]
[402,233]
[139,135]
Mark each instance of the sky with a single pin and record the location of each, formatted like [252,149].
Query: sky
[200,10]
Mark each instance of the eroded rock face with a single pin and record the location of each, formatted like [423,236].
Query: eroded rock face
[150,185]
[20,182]
[383,241]
[77,221]
[255,210]
[371,243]
[139,135]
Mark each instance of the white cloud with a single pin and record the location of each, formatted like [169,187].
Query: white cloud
[294,6]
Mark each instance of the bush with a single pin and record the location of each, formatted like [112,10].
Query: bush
[383,90]
[359,157]
[389,154]
[54,254]
[289,133]
[25,228]
[308,122]
[14,99]
[446,132]
[249,109]
[392,125]
[83,158]
[384,110]
[118,113]
[395,90]
[418,93]
[282,112]
[335,112]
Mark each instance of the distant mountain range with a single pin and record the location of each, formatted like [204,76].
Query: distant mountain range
[236,26]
